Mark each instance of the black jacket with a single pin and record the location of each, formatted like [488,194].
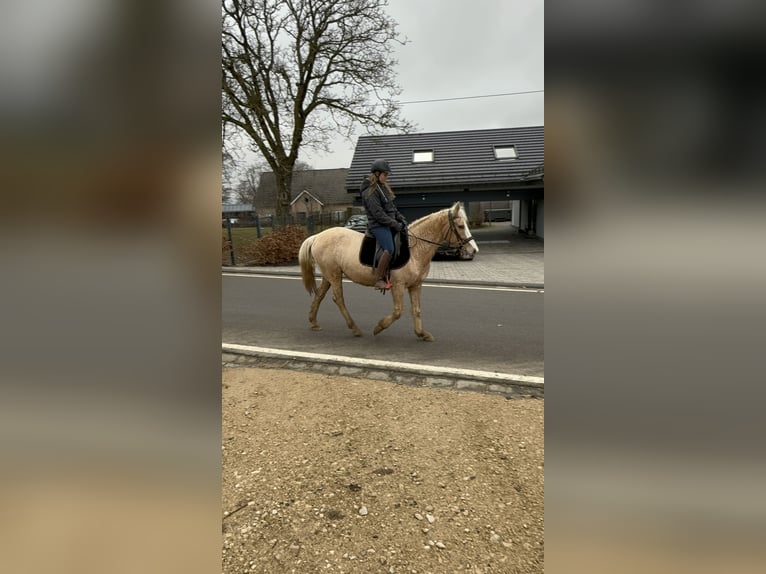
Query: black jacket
[381,211]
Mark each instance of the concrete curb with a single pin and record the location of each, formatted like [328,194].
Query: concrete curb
[292,273]
[508,385]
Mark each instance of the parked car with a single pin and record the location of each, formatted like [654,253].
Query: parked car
[497,215]
[357,223]
[445,252]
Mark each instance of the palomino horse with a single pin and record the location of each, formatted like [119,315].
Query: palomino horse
[336,252]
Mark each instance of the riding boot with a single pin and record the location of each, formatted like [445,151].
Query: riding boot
[380,271]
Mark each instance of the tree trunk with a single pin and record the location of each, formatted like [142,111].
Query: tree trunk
[284,180]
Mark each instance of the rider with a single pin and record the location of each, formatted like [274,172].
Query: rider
[382,215]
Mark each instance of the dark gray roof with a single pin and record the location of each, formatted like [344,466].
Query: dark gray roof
[461,158]
[327,185]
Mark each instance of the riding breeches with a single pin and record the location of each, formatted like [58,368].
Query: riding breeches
[384,237]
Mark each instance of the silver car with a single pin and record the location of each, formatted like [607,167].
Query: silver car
[357,223]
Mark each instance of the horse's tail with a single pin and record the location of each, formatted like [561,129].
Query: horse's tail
[306,261]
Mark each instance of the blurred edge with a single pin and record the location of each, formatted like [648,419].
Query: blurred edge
[654,299]
[110,351]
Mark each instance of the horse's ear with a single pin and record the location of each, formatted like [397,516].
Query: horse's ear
[456,209]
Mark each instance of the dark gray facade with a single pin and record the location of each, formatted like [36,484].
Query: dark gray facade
[464,166]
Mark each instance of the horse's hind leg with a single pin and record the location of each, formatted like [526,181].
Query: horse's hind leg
[415,305]
[397,293]
[320,293]
[337,296]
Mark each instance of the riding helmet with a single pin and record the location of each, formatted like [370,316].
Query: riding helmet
[380,165]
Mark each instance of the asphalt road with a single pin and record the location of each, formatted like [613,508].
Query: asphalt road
[483,329]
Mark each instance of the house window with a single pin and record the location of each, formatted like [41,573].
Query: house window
[505,152]
[422,155]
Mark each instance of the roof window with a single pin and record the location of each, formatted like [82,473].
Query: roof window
[422,155]
[505,152]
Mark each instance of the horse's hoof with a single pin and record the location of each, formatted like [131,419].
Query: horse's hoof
[428,337]
[377,329]
[357,333]
[316,328]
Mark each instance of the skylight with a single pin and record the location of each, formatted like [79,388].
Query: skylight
[505,152]
[422,155]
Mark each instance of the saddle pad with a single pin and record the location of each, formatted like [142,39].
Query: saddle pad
[401,248]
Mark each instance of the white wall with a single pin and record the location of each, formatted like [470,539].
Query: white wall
[520,209]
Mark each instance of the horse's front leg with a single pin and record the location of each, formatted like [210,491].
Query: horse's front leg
[397,292]
[337,296]
[415,306]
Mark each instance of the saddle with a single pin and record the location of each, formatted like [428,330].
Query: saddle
[370,252]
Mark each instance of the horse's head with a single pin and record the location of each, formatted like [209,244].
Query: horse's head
[459,234]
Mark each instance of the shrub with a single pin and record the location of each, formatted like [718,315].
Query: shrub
[279,248]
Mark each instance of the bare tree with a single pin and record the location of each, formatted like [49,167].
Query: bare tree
[248,184]
[297,72]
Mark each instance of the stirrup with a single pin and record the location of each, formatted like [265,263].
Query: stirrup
[383,289]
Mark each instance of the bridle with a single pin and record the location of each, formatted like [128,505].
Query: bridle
[452,230]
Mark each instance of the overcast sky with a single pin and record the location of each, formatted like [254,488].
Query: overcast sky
[463,48]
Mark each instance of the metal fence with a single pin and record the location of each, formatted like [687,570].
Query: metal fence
[316,219]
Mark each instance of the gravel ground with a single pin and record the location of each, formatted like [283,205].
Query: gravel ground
[335,474]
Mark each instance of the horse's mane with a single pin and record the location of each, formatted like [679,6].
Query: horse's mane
[426,218]
[433,215]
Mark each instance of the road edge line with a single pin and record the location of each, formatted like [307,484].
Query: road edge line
[469,379]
